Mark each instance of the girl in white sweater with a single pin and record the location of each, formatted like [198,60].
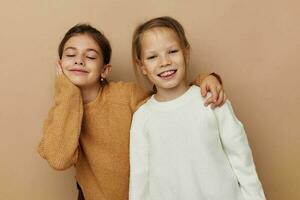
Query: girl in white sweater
[180,149]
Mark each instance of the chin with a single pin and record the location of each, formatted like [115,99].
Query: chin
[85,83]
[171,84]
[78,81]
[168,86]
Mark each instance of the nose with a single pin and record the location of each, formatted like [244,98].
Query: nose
[165,60]
[79,61]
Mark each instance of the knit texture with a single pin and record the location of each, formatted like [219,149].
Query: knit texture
[93,137]
[182,150]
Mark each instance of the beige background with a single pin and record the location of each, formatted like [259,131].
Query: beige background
[254,45]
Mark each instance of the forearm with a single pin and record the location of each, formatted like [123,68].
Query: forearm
[138,96]
[244,169]
[201,77]
[59,145]
[241,160]
[238,151]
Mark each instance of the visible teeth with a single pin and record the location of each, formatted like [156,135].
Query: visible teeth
[167,73]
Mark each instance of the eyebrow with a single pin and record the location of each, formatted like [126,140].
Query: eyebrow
[73,48]
[174,45]
[154,51]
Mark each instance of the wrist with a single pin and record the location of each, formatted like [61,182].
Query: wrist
[217,77]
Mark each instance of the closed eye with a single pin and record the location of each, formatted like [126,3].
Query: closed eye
[92,58]
[70,55]
[151,57]
[173,51]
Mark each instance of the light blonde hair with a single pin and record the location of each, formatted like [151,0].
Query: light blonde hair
[160,22]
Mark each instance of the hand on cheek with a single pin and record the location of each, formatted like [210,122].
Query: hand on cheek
[59,70]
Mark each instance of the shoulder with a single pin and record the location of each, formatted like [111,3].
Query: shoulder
[197,97]
[119,91]
[120,86]
[141,115]
[125,88]
[225,109]
[221,113]
[144,109]
[225,114]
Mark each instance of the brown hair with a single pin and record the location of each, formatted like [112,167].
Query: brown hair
[100,39]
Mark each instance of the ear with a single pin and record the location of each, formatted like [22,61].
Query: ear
[141,66]
[106,70]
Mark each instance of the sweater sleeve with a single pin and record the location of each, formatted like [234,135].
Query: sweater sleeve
[201,77]
[235,144]
[138,96]
[59,144]
[138,186]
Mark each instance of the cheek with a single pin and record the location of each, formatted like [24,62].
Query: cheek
[96,67]
[65,63]
[180,58]
[150,65]
[147,70]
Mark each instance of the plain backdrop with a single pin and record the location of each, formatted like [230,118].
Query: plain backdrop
[254,46]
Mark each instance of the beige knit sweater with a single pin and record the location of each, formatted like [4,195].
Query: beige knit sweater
[93,137]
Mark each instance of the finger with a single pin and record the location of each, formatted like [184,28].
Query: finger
[59,68]
[214,93]
[203,90]
[220,100]
[208,101]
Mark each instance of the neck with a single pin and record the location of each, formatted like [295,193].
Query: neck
[168,94]
[90,93]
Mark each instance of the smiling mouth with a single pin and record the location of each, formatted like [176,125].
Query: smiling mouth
[167,74]
[78,71]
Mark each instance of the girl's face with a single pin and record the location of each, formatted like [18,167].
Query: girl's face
[162,58]
[82,61]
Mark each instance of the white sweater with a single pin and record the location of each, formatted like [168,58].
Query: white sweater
[182,150]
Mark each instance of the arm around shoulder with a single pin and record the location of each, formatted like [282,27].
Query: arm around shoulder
[199,79]
[138,96]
